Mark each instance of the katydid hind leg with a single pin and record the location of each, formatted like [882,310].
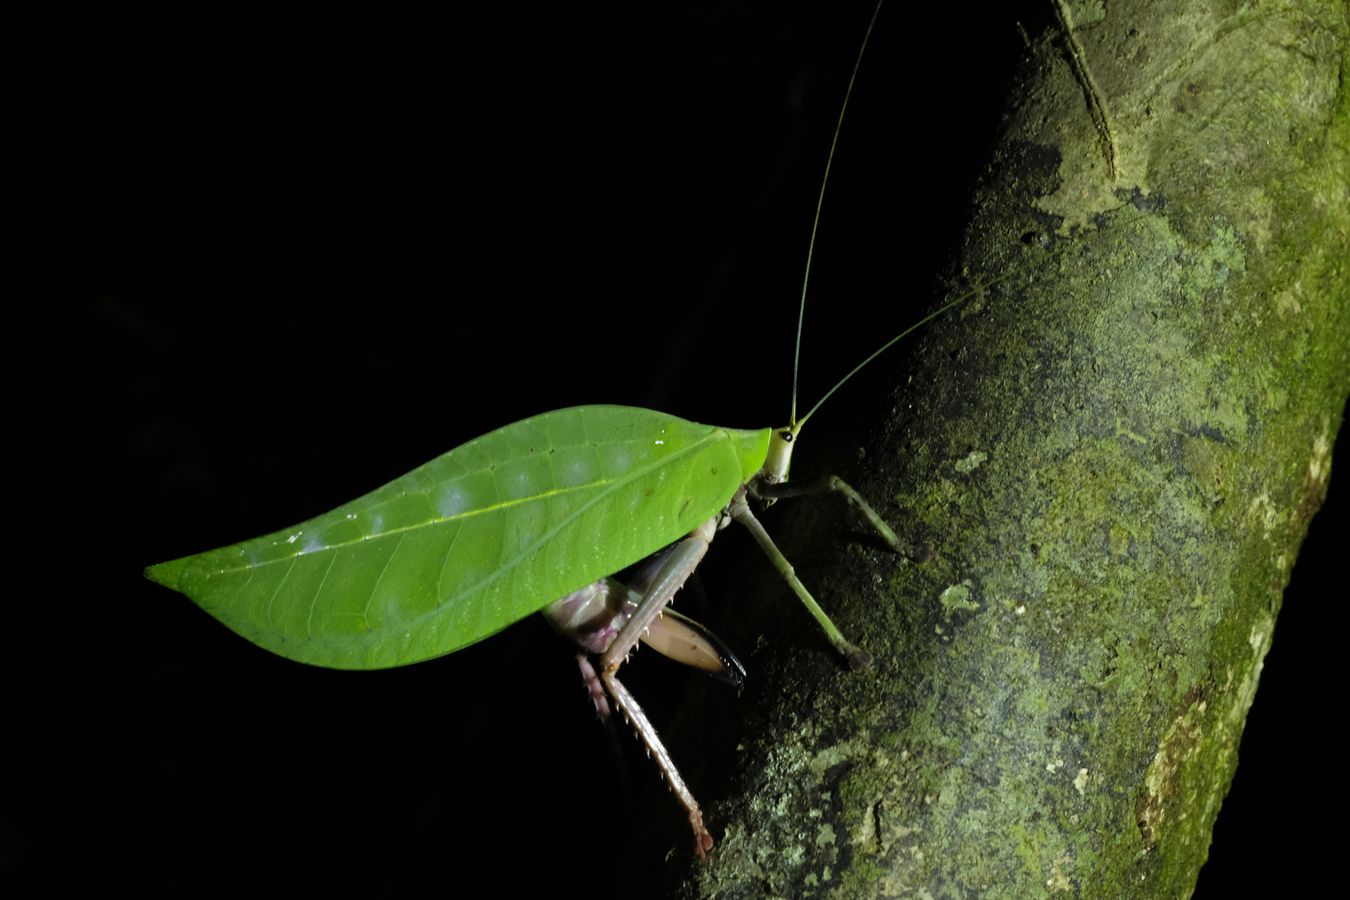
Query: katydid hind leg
[674,570]
[676,636]
[676,567]
[591,615]
[633,713]
[596,690]
[594,615]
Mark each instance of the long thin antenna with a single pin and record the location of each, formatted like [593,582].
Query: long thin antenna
[951,304]
[815,223]
[886,346]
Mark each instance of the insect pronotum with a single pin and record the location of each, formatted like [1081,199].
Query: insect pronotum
[535,516]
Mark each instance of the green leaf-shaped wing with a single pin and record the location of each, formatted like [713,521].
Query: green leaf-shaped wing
[474,540]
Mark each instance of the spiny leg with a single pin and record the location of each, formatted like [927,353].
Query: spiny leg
[857,657]
[676,567]
[647,734]
[677,636]
[674,571]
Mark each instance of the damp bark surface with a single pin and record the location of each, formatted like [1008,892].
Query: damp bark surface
[1108,459]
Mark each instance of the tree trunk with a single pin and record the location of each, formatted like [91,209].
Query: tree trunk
[1113,454]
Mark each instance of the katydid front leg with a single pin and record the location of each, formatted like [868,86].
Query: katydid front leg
[832,484]
[858,658]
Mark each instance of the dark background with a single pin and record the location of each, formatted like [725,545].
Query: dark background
[285,257]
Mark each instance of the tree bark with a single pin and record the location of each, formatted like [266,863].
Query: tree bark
[1113,454]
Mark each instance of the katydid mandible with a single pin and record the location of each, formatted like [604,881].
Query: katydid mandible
[535,516]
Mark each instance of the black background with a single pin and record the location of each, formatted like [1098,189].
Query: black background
[287,256]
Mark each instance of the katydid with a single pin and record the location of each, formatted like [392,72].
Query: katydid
[535,516]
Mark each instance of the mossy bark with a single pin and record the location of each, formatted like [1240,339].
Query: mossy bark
[1113,453]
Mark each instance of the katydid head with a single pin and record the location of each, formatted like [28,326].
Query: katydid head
[779,460]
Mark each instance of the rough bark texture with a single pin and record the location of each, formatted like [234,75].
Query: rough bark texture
[1114,454]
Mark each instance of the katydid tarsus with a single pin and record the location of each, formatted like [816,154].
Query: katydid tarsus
[504,526]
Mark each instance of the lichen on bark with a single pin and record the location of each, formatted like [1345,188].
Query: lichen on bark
[1115,454]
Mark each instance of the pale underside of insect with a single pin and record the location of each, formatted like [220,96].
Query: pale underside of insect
[535,516]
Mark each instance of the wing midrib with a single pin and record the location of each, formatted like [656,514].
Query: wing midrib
[607,485]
